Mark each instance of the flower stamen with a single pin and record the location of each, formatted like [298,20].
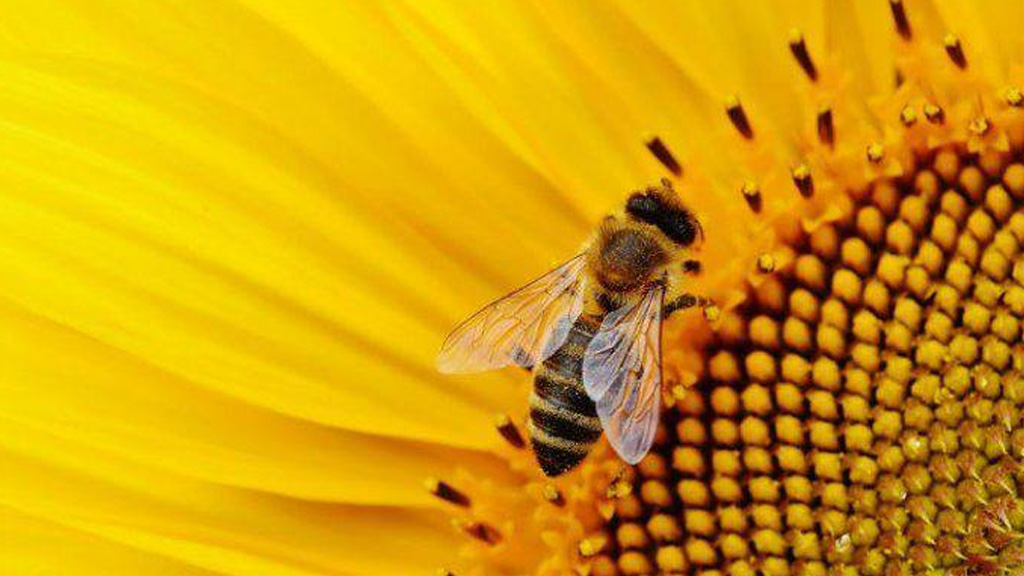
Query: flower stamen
[1013,97]
[908,116]
[955,50]
[481,531]
[826,128]
[619,487]
[798,47]
[752,194]
[803,181]
[664,155]
[553,495]
[447,492]
[934,113]
[738,116]
[509,431]
[899,16]
[979,126]
[875,153]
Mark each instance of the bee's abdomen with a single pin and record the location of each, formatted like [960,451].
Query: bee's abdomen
[563,420]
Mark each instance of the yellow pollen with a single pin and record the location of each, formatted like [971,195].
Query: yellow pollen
[766,263]
[592,546]
[553,495]
[979,126]
[1013,97]
[908,116]
[934,113]
[620,489]
[875,153]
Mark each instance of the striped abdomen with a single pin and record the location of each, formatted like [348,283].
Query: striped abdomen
[563,420]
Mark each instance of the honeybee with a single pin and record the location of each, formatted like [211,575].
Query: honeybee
[591,331]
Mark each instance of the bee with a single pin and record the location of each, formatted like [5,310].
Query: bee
[591,331]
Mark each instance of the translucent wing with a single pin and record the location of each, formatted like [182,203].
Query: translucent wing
[524,327]
[622,375]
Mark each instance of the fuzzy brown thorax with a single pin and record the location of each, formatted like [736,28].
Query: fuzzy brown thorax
[625,258]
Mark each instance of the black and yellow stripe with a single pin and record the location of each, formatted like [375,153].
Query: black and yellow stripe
[563,419]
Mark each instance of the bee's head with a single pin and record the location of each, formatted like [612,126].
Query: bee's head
[661,207]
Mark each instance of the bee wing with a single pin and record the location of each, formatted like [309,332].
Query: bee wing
[622,375]
[524,327]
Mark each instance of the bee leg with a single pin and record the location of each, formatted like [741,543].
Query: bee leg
[682,303]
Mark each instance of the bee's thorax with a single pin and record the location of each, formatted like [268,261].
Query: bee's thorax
[626,258]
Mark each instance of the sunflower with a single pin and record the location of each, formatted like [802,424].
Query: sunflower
[234,234]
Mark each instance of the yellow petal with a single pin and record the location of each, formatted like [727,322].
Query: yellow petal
[32,546]
[238,302]
[223,529]
[99,397]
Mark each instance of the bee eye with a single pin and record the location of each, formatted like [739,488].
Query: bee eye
[680,226]
[644,207]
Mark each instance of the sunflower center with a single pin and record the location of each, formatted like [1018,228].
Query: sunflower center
[861,413]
